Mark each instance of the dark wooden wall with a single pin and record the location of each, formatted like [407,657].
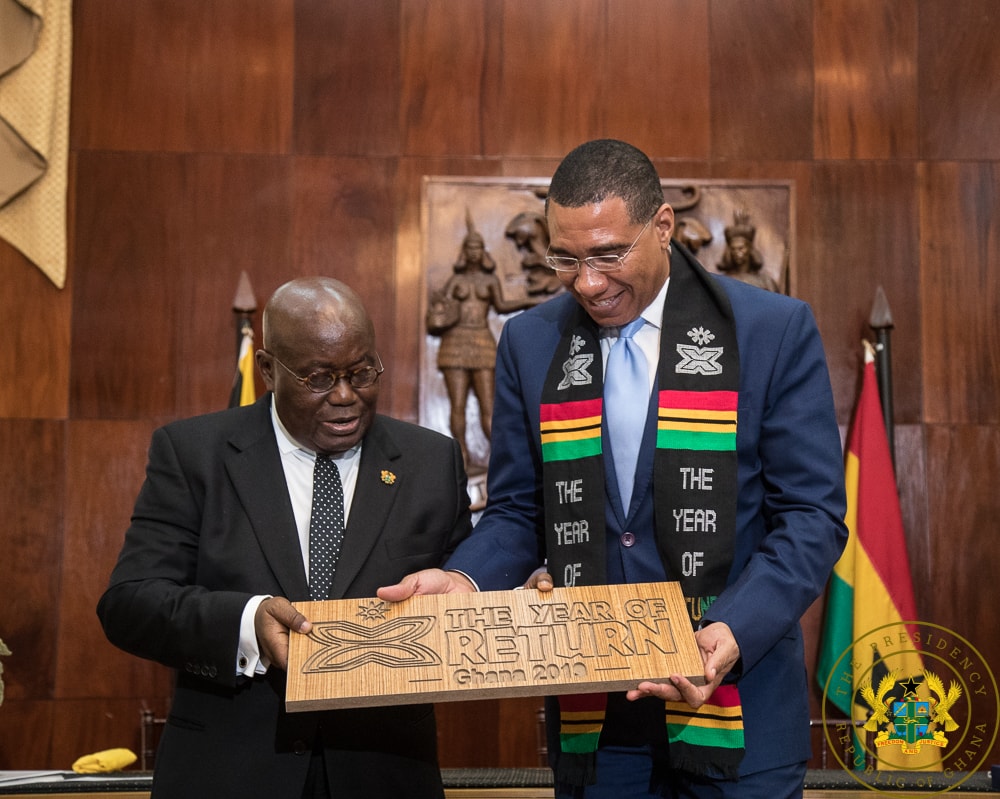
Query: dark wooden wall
[289,137]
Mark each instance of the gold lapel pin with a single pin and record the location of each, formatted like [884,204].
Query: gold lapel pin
[388,477]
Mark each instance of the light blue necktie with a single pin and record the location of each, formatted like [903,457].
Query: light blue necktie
[626,402]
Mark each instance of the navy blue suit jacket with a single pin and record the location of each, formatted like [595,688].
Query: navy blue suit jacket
[212,527]
[791,504]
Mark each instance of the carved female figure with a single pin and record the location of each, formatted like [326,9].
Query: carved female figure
[459,313]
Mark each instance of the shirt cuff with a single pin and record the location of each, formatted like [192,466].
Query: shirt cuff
[248,658]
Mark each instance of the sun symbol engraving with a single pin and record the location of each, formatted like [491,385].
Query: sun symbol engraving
[373,611]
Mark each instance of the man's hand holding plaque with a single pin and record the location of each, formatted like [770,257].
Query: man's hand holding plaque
[720,653]
[427,582]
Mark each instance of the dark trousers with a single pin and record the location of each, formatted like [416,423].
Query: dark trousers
[317,785]
[627,773]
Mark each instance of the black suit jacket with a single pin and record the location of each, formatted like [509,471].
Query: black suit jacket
[212,527]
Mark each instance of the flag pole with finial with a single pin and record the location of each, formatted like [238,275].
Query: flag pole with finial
[244,305]
[880,321]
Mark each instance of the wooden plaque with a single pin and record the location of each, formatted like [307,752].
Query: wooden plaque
[493,644]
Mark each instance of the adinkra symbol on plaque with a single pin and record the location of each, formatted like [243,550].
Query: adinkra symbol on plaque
[394,643]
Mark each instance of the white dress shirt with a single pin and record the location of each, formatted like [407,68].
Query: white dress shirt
[297,464]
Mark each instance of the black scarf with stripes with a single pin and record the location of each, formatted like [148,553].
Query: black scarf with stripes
[694,495]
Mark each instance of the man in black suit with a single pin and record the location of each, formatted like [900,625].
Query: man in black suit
[218,550]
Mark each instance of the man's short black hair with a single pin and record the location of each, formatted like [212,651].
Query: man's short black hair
[603,168]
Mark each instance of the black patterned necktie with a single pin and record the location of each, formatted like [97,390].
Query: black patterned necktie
[326,527]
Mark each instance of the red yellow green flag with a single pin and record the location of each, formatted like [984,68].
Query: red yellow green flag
[871,587]
[243,392]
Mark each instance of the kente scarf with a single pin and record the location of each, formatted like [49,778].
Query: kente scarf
[694,496]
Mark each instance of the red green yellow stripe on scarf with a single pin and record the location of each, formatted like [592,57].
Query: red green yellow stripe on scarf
[570,430]
[697,420]
[716,725]
[581,717]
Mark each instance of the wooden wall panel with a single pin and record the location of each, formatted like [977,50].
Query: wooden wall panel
[162,242]
[124,299]
[443,76]
[911,481]
[527,167]
[347,77]
[958,61]
[762,79]
[184,75]
[34,350]
[105,467]
[866,79]
[963,462]
[554,57]
[959,282]
[865,235]
[26,733]
[519,732]
[654,90]
[236,214]
[458,746]
[33,501]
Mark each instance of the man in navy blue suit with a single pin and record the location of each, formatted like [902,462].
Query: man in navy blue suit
[734,487]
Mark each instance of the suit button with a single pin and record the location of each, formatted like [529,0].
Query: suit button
[300,747]
[628,539]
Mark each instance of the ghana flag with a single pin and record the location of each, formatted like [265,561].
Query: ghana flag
[871,584]
[243,392]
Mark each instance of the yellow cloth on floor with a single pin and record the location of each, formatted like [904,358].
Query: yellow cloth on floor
[108,760]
